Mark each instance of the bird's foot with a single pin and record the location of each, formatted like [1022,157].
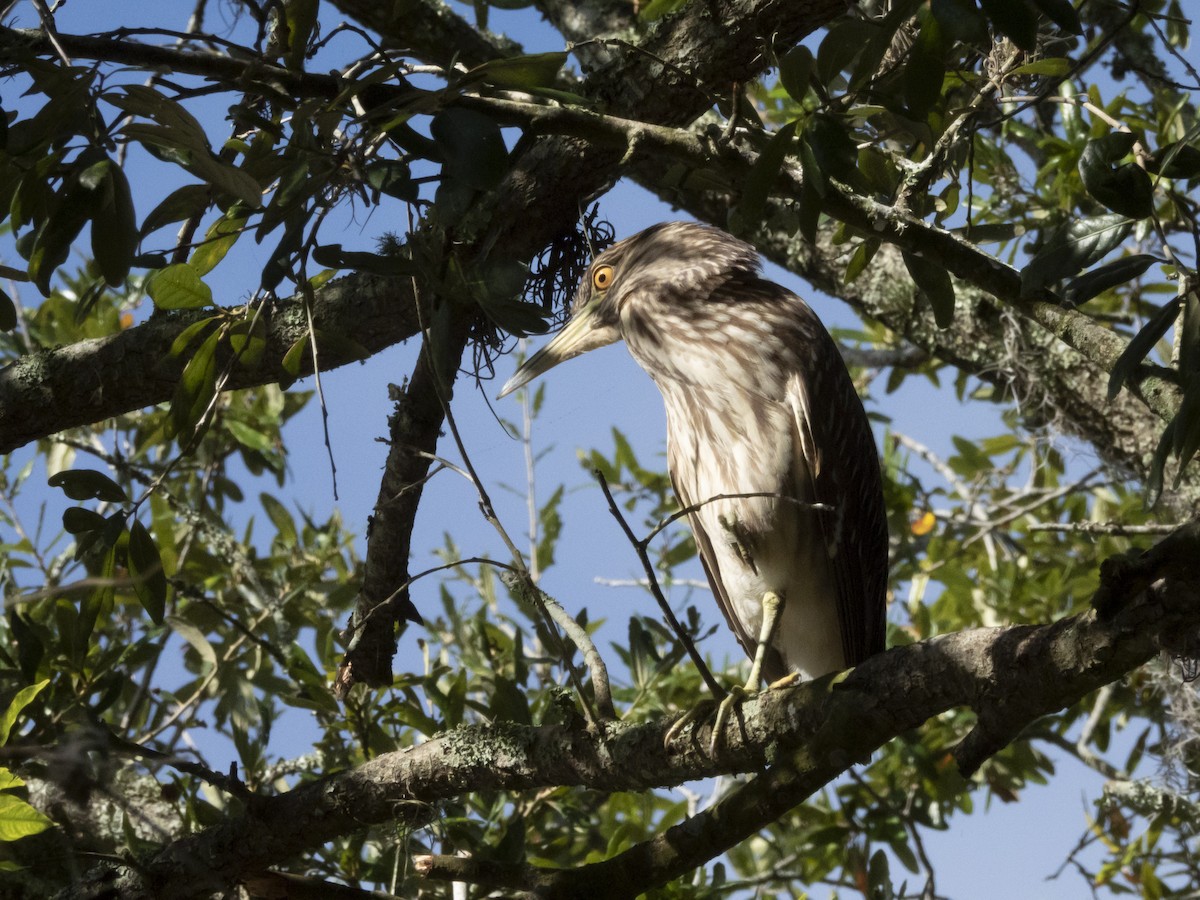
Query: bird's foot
[701,712]
[705,710]
[720,712]
[786,681]
[737,696]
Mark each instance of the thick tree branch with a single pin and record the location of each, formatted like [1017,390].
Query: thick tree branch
[803,735]
[48,391]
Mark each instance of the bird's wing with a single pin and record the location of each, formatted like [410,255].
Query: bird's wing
[834,436]
[773,667]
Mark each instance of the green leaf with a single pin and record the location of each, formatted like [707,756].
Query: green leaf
[925,69]
[196,638]
[197,386]
[333,256]
[1054,65]
[86,484]
[1154,481]
[114,227]
[20,700]
[472,147]
[1141,345]
[1189,338]
[795,72]
[935,284]
[834,151]
[519,72]
[8,312]
[1179,161]
[333,345]
[170,146]
[178,286]
[1185,436]
[1100,279]
[53,239]
[879,877]
[220,237]
[1072,248]
[248,437]
[18,819]
[843,42]
[860,259]
[189,334]
[294,357]
[1015,19]
[761,178]
[392,177]
[146,102]
[1062,14]
[656,9]
[1125,189]
[146,568]
[78,520]
[961,21]
[182,203]
[281,519]
[248,340]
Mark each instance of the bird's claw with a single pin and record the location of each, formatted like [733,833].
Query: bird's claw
[718,712]
[693,716]
[737,695]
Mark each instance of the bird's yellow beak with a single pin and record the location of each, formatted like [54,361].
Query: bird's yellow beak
[578,336]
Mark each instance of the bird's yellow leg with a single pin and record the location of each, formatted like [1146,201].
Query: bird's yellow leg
[772,606]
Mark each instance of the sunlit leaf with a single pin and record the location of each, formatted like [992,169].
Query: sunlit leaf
[519,72]
[195,637]
[178,286]
[18,819]
[20,700]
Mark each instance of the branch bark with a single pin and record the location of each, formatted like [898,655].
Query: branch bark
[48,391]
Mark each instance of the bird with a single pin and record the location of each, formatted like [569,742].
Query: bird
[769,448]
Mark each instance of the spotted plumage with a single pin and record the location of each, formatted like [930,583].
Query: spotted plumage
[758,401]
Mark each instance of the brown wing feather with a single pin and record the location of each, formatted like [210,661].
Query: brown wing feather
[832,428]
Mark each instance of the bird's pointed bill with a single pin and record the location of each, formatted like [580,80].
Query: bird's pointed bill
[578,336]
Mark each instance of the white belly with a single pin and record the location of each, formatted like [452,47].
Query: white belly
[761,544]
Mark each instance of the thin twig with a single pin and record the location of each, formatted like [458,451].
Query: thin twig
[521,583]
[640,548]
[578,635]
[1115,528]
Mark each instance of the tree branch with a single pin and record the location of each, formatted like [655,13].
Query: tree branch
[804,736]
[48,391]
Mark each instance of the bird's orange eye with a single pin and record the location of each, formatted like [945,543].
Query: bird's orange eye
[602,277]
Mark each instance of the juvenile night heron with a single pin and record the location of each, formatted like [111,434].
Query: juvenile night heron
[759,404]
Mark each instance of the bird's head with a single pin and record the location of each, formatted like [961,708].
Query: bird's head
[674,263]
